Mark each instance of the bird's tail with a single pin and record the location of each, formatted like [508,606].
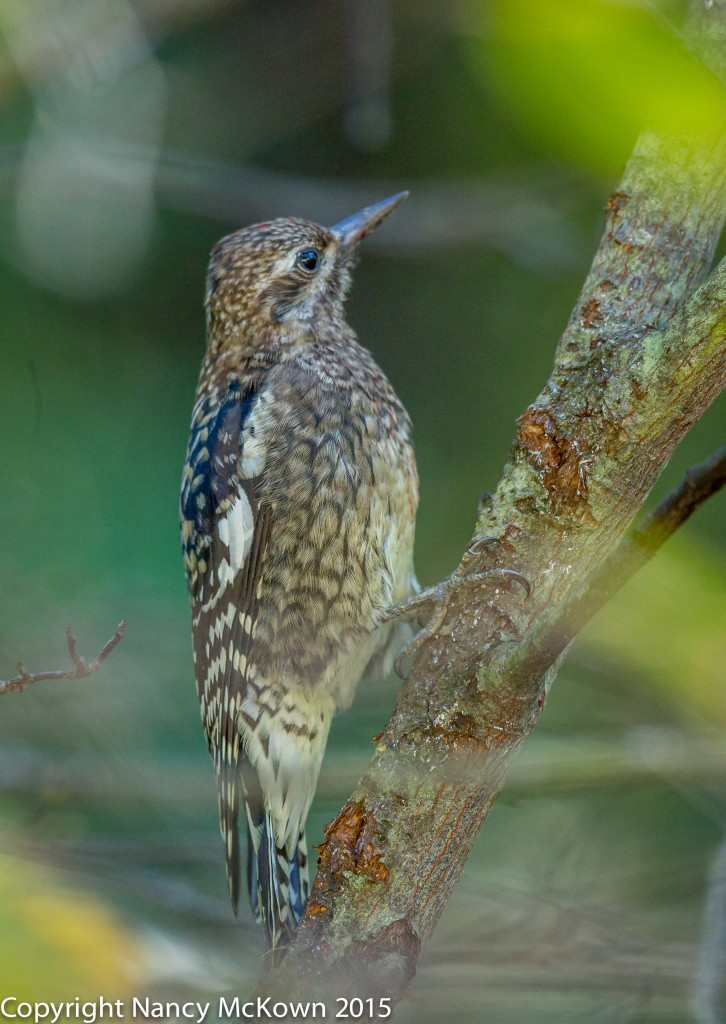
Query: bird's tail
[228,793]
[274,782]
[277,878]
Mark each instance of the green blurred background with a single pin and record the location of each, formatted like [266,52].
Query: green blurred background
[134,134]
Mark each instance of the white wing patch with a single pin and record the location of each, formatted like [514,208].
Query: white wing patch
[254,443]
[236,526]
[236,530]
[253,458]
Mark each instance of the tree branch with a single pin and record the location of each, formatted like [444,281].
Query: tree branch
[81,670]
[545,643]
[643,356]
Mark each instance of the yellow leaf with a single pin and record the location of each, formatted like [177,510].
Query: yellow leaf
[57,943]
[584,77]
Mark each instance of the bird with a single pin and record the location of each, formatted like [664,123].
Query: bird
[298,506]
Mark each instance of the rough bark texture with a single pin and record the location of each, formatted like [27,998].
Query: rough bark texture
[642,357]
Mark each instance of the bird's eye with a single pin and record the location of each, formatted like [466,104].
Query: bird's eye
[308,259]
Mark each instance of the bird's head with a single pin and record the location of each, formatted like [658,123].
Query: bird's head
[276,282]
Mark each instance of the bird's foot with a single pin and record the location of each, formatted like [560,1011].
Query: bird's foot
[434,603]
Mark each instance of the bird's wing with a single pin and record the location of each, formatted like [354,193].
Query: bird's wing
[225,529]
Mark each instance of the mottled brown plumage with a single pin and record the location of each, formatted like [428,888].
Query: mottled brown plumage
[298,503]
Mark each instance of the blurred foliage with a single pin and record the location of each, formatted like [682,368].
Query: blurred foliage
[679,595]
[57,943]
[583,76]
[508,122]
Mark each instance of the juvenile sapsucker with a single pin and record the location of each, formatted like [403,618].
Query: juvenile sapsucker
[297,518]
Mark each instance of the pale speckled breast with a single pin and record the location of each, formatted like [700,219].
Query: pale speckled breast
[341,480]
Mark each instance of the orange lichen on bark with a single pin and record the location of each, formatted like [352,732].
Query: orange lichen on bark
[454,741]
[616,202]
[350,845]
[556,458]
[591,314]
[638,391]
[314,906]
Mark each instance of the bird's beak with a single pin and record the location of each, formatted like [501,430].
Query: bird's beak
[351,230]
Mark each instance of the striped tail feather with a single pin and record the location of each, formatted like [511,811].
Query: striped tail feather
[277,879]
[228,784]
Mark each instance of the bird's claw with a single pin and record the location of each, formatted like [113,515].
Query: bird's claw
[437,600]
[507,574]
[483,543]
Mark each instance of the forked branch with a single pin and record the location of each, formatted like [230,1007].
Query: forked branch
[81,668]
[540,649]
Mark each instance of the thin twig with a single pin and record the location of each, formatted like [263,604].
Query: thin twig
[81,670]
[700,482]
